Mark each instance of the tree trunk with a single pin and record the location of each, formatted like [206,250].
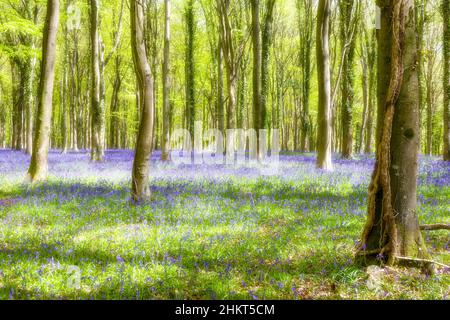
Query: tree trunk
[114,108]
[166,84]
[266,41]
[256,40]
[446,85]
[392,227]
[306,27]
[324,129]
[140,189]
[97,108]
[18,104]
[65,113]
[429,107]
[347,96]
[190,66]
[371,48]
[39,166]
[29,102]
[220,100]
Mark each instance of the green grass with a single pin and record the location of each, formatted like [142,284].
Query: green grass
[243,238]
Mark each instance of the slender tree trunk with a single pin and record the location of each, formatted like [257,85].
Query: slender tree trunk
[166,84]
[392,228]
[371,48]
[97,110]
[39,166]
[190,66]
[65,113]
[114,108]
[446,85]
[420,16]
[429,108]
[324,129]
[220,100]
[266,42]
[347,96]
[256,40]
[140,189]
[18,103]
[29,100]
[306,27]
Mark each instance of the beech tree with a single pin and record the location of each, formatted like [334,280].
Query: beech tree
[306,30]
[348,27]
[39,166]
[140,188]
[446,77]
[324,129]
[392,232]
[166,84]
[97,105]
[190,66]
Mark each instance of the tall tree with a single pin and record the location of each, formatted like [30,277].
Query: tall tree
[324,129]
[266,43]
[256,40]
[233,46]
[97,107]
[190,65]
[39,165]
[166,84]
[368,58]
[392,229]
[348,18]
[306,29]
[446,78]
[140,189]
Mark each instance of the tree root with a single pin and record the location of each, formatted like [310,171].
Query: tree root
[423,261]
[437,226]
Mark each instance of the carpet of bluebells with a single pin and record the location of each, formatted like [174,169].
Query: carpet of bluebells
[210,232]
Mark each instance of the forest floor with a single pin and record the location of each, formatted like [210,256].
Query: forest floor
[210,232]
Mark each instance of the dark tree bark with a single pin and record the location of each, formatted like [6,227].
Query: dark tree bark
[39,166]
[392,228]
[140,189]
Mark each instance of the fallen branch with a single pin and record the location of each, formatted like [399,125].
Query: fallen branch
[422,260]
[437,226]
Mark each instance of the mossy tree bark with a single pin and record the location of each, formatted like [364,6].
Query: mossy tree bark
[39,164]
[392,228]
[140,189]
[348,19]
